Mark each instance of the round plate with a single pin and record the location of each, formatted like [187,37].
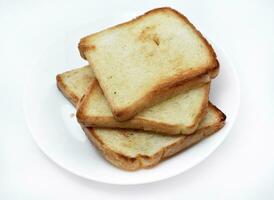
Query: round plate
[53,125]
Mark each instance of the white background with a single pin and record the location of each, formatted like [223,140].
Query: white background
[241,168]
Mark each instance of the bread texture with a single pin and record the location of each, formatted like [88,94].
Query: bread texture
[185,111]
[178,115]
[147,60]
[132,150]
[74,83]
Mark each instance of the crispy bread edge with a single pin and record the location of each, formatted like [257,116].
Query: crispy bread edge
[143,161]
[157,95]
[66,91]
[84,47]
[193,127]
[137,122]
[164,90]
[82,105]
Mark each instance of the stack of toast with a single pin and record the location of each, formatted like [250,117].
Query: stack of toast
[144,95]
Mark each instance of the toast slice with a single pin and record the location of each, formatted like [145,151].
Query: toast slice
[148,60]
[185,111]
[133,150]
[74,83]
[178,115]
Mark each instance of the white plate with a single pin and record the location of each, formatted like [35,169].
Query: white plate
[57,133]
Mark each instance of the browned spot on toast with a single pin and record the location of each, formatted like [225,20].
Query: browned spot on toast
[148,34]
[150,40]
[156,40]
[88,47]
[92,47]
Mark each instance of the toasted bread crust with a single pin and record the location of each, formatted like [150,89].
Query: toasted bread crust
[143,161]
[66,90]
[160,93]
[82,46]
[221,115]
[170,87]
[138,122]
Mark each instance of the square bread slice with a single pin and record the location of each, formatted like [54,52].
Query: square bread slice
[178,115]
[132,150]
[185,110]
[148,60]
